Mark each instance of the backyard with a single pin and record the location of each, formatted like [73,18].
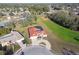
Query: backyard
[56,39]
[63,33]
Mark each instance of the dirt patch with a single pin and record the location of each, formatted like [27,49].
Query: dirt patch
[58,44]
[44,18]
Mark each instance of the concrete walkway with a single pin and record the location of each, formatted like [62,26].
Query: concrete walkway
[42,42]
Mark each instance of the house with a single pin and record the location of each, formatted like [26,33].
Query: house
[14,37]
[36,32]
[2,25]
[24,15]
[38,37]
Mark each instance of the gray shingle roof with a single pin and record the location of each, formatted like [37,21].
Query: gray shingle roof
[13,36]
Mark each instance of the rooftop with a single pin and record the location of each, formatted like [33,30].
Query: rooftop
[13,36]
[35,30]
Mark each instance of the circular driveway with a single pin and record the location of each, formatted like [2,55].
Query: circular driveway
[44,43]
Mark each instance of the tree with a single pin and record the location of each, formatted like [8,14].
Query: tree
[9,52]
[0,46]
[66,20]
[5,48]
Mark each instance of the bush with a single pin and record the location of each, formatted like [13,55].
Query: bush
[4,31]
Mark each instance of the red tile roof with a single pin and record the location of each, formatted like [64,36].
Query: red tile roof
[33,31]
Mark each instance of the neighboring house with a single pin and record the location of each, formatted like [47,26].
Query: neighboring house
[13,37]
[2,25]
[36,32]
[24,15]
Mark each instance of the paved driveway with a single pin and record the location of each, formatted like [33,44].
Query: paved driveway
[39,42]
[34,50]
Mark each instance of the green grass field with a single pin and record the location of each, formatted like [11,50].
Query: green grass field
[63,33]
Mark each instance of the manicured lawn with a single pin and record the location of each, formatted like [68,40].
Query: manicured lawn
[63,33]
